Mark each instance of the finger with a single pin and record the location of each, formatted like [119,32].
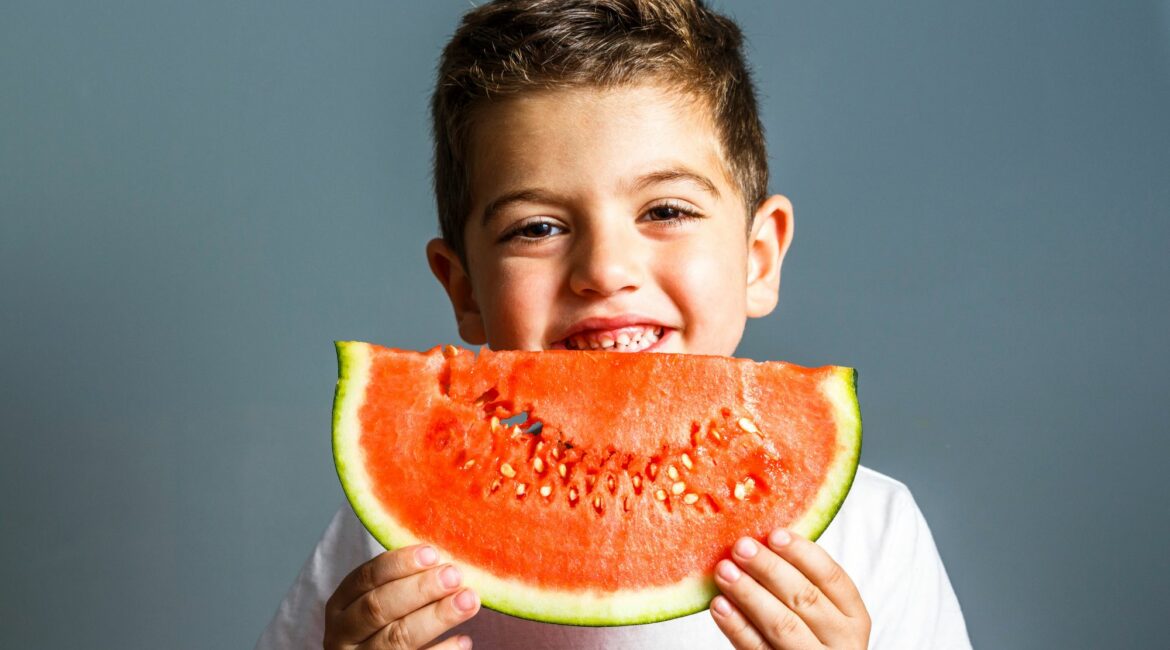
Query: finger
[791,587]
[820,569]
[459,642]
[734,626]
[778,625]
[423,625]
[388,566]
[375,609]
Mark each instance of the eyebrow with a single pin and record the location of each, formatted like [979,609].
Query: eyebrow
[540,195]
[531,195]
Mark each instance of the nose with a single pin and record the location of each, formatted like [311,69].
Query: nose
[605,264]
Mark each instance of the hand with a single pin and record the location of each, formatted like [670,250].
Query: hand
[399,600]
[789,594]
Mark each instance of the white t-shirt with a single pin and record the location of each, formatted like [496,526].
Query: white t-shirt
[879,537]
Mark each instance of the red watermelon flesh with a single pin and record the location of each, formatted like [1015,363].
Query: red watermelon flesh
[643,470]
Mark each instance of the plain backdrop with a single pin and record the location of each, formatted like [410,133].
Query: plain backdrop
[197,198]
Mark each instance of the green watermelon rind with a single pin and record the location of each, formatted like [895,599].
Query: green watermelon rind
[628,607]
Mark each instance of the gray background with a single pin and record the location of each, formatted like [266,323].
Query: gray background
[197,198]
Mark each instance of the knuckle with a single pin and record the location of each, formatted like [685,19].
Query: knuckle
[806,597]
[785,625]
[372,610]
[836,575]
[398,636]
[367,576]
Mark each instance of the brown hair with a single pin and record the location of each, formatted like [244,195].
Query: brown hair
[511,46]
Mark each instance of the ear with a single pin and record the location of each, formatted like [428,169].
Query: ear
[769,240]
[449,271]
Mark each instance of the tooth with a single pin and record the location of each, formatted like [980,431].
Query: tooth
[623,339]
[594,345]
[606,341]
[579,342]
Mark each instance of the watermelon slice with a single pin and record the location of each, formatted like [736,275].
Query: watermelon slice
[589,488]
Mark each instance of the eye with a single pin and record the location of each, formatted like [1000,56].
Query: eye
[668,212]
[532,231]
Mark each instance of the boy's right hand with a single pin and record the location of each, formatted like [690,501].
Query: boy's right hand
[399,600]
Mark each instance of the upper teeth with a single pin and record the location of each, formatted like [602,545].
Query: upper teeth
[629,339]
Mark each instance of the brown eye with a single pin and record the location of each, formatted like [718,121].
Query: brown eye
[536,230]
[665,213]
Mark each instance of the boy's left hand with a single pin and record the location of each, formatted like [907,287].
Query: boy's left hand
[787,594]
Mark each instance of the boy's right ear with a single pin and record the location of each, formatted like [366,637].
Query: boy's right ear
[449,271]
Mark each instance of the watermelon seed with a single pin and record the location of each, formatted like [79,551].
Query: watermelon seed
[597,504]
[545,490]
[572,496]
[495,424]
[450,351]
[521,489]
[507,470]
[562,470]
[687,462]
[538,465]
[555,452]
[469,464]
[590,481]
[660,495]
[636,479]
[495,485]
[748,425]
[672,472]
[739,492]
[690,498]
[678,488]
[611,483]
[652,471]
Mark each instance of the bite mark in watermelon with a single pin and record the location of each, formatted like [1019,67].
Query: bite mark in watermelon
[589,488]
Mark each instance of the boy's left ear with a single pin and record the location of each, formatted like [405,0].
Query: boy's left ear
[769,240]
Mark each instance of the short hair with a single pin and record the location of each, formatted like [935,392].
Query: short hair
[507,47]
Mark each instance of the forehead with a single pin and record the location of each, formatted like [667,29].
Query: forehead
[590,141]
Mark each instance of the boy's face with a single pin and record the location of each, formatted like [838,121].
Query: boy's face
[606,219]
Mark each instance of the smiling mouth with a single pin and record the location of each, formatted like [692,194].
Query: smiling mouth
[636,338]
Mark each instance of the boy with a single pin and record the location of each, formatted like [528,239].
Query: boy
[601,183]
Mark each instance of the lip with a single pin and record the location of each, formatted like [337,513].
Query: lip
[613,323]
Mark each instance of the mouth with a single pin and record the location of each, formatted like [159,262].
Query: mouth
[630,338]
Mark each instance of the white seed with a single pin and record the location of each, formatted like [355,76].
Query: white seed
[749,483]
[469,464]
[521,488]
[597,503]
[660,495]
[545,490]
[690,498]
[611,483]
[495,423]
[572,495]
[516,433]
[450,351]
[495,485]
[652,471]
[740,492]
[561,469]
[636,479]
[507,470]
[678,488]
[538,465]
[672,472]
[748,425]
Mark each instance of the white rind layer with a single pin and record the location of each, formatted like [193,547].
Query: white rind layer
[623,607]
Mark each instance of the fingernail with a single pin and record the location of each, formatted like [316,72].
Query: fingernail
[728,571]
[426,556]
[721,606]
[449,577]
[746,548]
[464,642]
[465,600]
[779,537]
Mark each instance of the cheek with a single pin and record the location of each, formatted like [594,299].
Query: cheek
[514,300]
